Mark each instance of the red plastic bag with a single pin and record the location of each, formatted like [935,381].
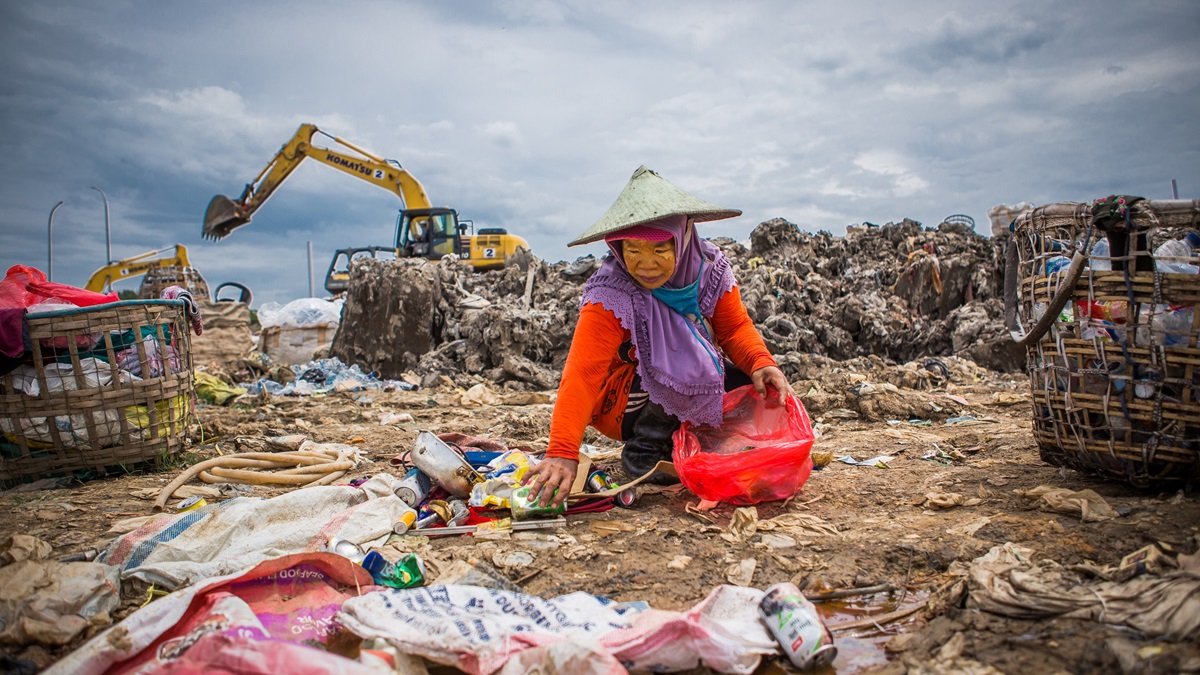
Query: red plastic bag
[23,287]
[13,294]
[760,453]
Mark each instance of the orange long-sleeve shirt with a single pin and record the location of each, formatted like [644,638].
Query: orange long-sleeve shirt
[595,381]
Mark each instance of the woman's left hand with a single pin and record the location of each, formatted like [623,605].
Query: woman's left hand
[771,376]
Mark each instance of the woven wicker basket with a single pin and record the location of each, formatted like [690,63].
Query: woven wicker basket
[103,387]
[1115,374]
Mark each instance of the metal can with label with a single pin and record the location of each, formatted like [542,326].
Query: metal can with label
[191,503]
[797,627]
[414,488]
[600,481]
[407,572]
[527,507]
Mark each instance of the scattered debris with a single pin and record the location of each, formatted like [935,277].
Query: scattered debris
[1086,503]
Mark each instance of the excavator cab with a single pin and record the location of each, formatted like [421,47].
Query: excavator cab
[337,279]
[428,233]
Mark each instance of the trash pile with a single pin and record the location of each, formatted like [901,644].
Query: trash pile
[901,292]
[310,580]
[314,377]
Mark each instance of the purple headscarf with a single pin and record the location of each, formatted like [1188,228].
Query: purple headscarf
[674,358]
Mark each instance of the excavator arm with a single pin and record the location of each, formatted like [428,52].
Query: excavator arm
[138,264]
[224,215]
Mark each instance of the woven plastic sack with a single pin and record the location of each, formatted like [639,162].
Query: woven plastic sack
[760,452]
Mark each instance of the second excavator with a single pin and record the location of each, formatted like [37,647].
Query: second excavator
[422,230]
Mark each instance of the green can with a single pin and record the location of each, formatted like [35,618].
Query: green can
[407,572]
[525,507]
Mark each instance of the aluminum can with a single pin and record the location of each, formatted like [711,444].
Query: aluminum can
[459,513]
[191,503]
[626,498]
[599,481]
[407,520]
[407,572]
[346,549]
[414,488]
[524,507]
[797,627]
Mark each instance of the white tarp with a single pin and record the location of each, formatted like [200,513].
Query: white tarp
[181,549]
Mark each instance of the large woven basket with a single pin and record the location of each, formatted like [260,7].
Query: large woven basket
[1113,355]
[102,388]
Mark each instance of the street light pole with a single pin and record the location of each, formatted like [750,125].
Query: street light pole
[50,243]
[107,229]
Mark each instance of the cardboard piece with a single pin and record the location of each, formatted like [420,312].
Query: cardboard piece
[579,489]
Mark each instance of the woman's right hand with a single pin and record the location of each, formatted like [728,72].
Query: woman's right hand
[551,480]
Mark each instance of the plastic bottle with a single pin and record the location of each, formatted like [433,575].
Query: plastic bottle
[1100,260]
[1174,325]
[1057,264]
[1171,255]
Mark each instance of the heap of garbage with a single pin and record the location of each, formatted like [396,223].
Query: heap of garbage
[899,292]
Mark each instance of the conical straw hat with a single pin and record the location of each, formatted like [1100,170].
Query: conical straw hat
[646,198]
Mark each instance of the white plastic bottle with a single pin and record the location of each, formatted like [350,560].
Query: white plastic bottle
[1172,256]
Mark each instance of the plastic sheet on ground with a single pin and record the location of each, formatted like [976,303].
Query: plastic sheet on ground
[479,630]
[275,618]
[1006,581]
[222,538]
[47,602]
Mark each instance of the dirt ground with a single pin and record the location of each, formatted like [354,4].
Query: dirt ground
[872,528]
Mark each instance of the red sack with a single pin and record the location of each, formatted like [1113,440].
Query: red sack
[760,453]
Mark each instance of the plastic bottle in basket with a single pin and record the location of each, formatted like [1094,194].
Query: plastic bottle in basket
[1172,255]
[1099,259]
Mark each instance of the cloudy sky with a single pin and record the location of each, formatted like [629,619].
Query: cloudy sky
[531,115]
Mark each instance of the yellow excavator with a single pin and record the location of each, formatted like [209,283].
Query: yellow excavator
[162,268]
[146,263]
[422,230]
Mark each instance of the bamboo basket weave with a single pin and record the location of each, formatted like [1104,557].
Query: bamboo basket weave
[103,387]
[1120,399]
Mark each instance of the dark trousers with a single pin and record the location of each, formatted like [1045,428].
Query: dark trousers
[648,431]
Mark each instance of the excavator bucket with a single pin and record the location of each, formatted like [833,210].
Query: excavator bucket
[222,217]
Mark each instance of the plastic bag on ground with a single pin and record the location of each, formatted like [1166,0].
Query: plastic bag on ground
[48,602]
[759,453]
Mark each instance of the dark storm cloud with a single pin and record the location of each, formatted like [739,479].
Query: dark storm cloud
[532,115]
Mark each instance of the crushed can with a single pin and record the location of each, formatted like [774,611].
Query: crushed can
[407,572]
[600,481]
[524,507]
[414,488]
[797,627]
[459,513]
